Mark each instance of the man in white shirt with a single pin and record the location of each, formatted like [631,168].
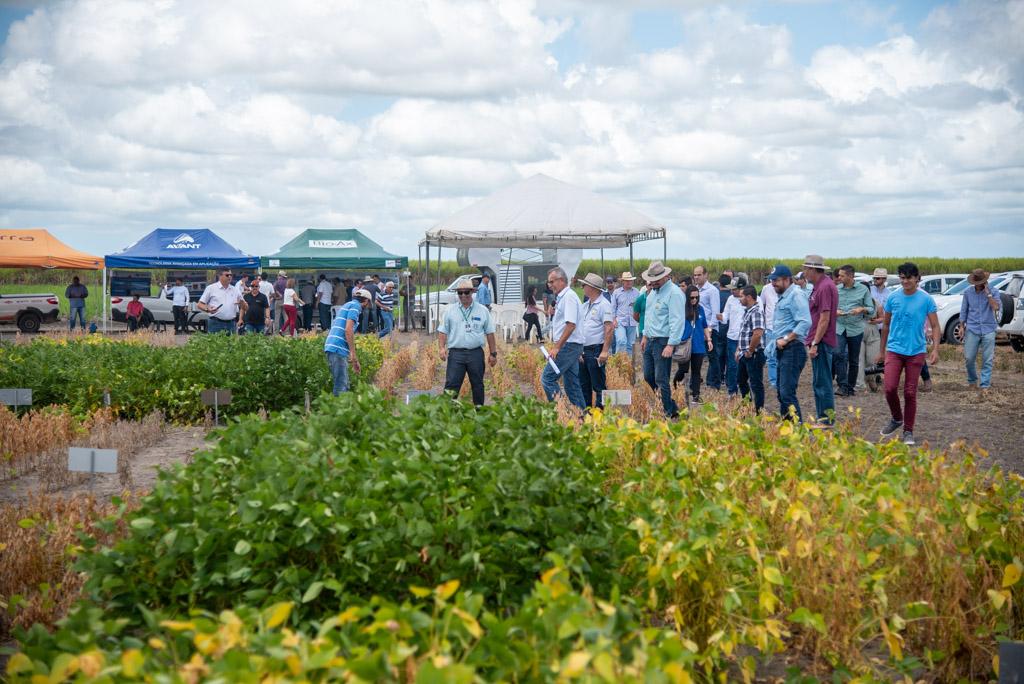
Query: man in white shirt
[324,293]
[768,299]
[179,304]
[267,290]
[732,317]
[568,339]
[222,301]
[598,330]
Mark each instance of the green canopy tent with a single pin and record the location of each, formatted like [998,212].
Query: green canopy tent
[333,249]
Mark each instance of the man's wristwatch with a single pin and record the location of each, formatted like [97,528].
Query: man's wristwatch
[494,353]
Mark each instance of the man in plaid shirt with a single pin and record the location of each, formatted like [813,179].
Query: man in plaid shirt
[750,350]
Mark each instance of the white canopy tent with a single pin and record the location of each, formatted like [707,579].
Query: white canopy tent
[541,212]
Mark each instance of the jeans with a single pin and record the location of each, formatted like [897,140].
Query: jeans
[625,338]
[460,363]
[307,316]
[770,360]
[895,364]
[325,316]
[78,311]
[824,397]
[694,366]
[568,362]
[532,320]
[180,318]
[592,376]
[716,359]
[731,366]
[658,373]
[216,325]
[254,328]
[339,372]
[987,344]
[791,361]
[387,323]
[751,378]
[847,363]
[869,347]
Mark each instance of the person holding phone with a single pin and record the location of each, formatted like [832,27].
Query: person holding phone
[222,301]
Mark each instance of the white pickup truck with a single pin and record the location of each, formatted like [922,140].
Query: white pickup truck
[29,311]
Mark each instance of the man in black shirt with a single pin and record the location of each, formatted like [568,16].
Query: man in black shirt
[257,315]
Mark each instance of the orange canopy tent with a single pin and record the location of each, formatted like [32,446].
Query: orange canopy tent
[36,248]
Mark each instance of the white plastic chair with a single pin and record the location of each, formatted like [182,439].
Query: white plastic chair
[511,322]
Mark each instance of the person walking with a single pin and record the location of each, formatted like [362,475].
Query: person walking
[664,322]
[768,299]
[532,314]
[279,314]
[461,336]
[720,356]
[622,312]
[596,324]
[307,293]
[386,305]
[340,345]
[370,320]
[76,294]
[855,308]
[179,297]
[731,318]
[567,336]
[980,311]
[709,302]
[257,311]
[267,290]
[484,296]
[821,338]
[323,299]
[222,301]
[292,302]
[903,348]
[697,327]
[869,347]
[792,321]
[750,348]
[408,294]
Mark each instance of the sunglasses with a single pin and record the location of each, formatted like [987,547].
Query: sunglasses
[694,299]
[464,292]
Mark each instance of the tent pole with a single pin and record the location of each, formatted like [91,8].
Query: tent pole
[103,294]
[603,275]
[630,256]
[664,247]
[426,284]
[437,312]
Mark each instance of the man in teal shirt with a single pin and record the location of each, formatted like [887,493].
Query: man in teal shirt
[664,319]
[856,307]
[461,335]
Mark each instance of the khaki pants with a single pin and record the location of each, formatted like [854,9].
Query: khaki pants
[868,351]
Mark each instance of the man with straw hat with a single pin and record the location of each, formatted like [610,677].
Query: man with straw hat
[466,326]
[821,338]
[568,338]
[980,311]
[596,325]
[664,321]
[869,349]
[622,311]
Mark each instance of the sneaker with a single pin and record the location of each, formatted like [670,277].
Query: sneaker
[926,386]
[892,427]
[908,438]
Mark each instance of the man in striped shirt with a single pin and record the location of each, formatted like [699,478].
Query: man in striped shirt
[750,347]
[386,306]
[341,340]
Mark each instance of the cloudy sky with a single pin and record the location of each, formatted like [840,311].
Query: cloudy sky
[754,128]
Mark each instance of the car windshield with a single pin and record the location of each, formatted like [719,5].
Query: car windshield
[963,285]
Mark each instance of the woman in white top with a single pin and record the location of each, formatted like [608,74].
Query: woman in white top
[291,303]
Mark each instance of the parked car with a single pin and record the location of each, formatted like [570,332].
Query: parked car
[156,310]
[948,305]
[936,284]
[29,311]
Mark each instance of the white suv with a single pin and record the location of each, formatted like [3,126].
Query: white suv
[948,304]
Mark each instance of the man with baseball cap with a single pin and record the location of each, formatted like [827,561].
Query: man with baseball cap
[980,311]
[821,338]
[340,344]
[622,311]
[464,329]
[792,321]
[596,325]
[664,322]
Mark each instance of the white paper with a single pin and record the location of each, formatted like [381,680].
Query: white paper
[551,361]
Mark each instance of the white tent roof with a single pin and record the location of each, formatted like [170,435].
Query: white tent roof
[541,212]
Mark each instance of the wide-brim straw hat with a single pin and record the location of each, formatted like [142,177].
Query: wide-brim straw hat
[815,261]
[594,281]
[627,275]
[880,273]
[656,271]
[978,276]
[465,284]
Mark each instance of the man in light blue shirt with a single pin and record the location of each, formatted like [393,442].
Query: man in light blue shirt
[980,311]
[568,338]
[622,311]
[596,325]
[484,296]
[792,322]
[340,345]
[664,320]
[464,329]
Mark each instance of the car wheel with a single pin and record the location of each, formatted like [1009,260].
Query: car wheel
[954,331]
[30,322]
[1017,343]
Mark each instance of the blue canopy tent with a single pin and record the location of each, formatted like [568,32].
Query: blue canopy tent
[177,248]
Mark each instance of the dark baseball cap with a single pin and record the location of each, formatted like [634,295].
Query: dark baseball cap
[780,271]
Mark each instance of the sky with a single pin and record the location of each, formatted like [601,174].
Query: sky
[746,129]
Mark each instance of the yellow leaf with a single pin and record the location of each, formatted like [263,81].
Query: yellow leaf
[773,575]
[19,662]
[997,598]
[576,663]
[1011,575]
[294,665]
[156,644]
[278,613]
[786,429]
[91,663]
[469,622]
[177,625]
[546,576]
[446,590]
[419,592]
[677,675]
[131,662]
[350,614]
[604,665]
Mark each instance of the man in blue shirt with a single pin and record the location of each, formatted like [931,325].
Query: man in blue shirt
[664,321]
[622,309]
[484,296]
[461,335]
[596,325]
[792,321]
[980,311]
[341,343]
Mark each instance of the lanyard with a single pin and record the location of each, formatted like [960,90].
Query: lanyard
[466,314]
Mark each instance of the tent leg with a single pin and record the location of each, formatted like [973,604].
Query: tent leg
[426,284]
[437,312]
[630,257]
[664,248]
[603,274]
[106,300]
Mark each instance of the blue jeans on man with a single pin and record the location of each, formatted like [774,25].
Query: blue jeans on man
[791,361]
[593,379]
[824,397]
[568,362]
[847,361]
[78,311]
[339,372]
[216,325]
[750,378]
[325,316]
[716,358]
[987,344]
[625,338]
[658,373]
[731,366]
[387,319]
[254,328]
[771,361]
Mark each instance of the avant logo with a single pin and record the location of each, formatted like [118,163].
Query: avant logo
[184,241]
